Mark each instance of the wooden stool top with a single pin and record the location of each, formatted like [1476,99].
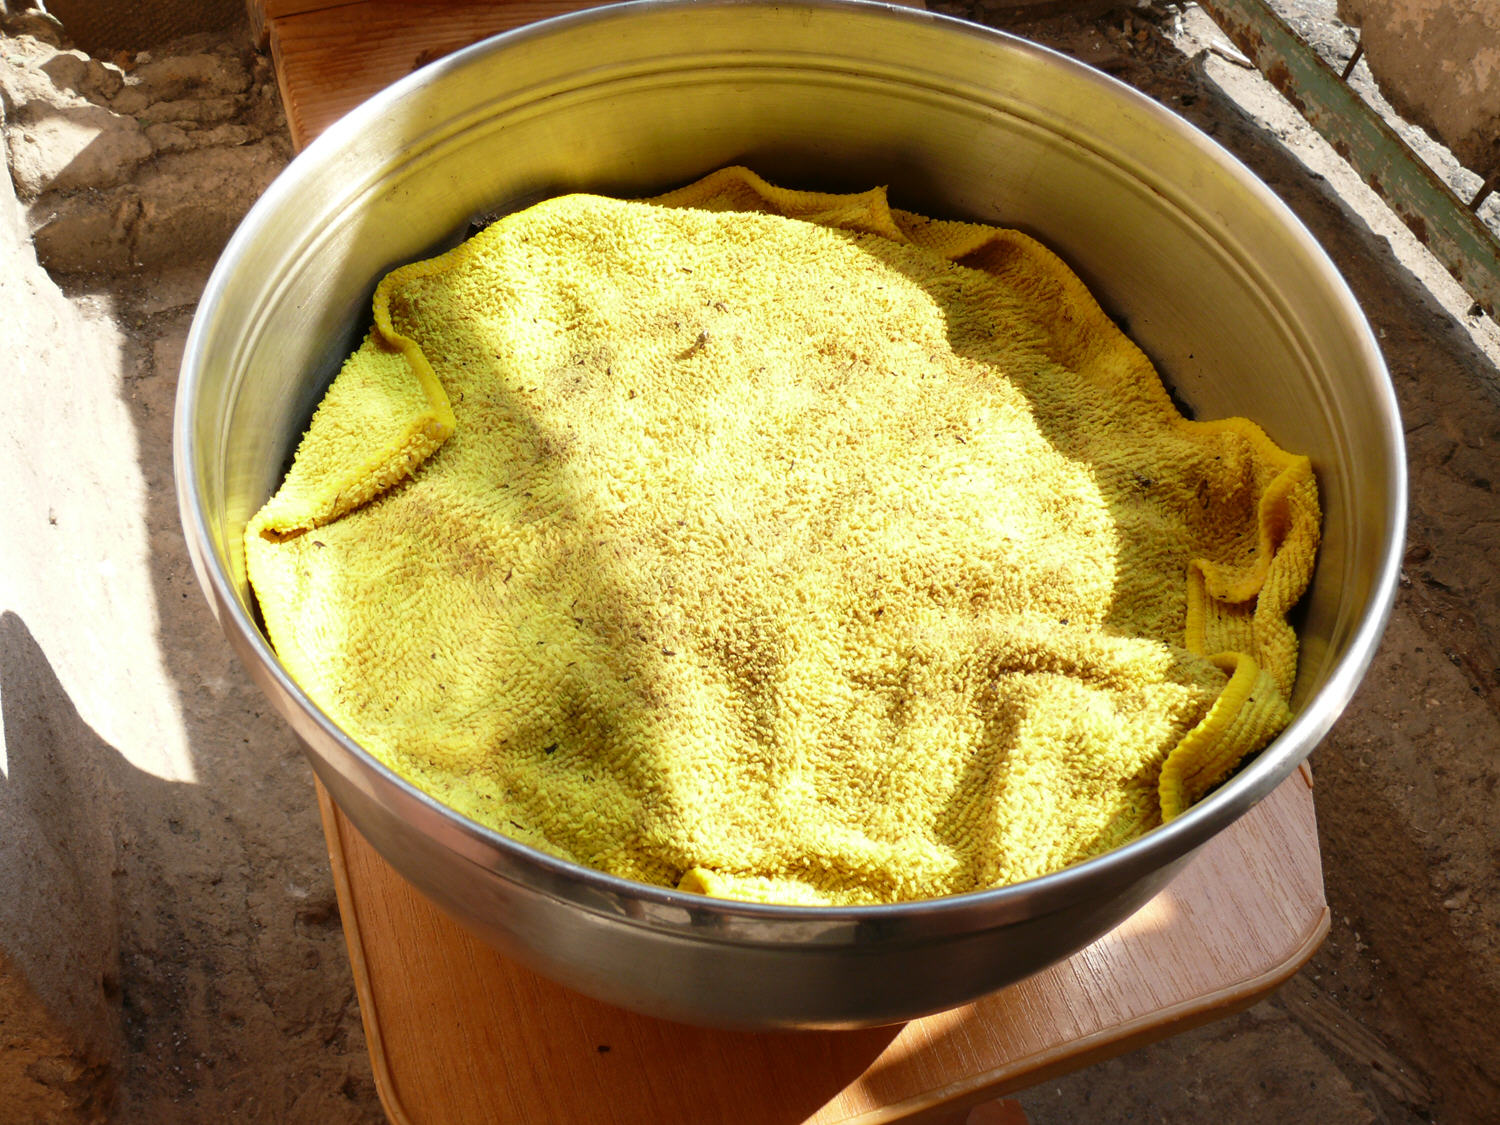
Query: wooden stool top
[333,54]
[459,1034]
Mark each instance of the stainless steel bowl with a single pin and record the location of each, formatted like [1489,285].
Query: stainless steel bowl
[1219,283]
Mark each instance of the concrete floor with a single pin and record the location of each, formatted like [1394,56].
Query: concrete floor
[178,866]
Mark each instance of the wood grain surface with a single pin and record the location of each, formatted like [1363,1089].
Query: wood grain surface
[333,54]
[458,1033]
[330,59]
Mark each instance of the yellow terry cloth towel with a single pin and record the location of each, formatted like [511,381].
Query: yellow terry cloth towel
[782,546]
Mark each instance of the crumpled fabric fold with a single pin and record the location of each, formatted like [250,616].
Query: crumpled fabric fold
[782,546]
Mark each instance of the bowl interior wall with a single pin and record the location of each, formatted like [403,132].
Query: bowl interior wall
[1184,268]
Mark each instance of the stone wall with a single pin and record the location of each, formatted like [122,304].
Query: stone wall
[1438,61]
[141,163]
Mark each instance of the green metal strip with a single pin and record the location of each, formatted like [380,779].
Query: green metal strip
[1441,222]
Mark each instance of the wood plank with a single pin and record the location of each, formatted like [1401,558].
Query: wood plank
[458,1033]
[274,9]
[330,59]
[262,12]
[333,54]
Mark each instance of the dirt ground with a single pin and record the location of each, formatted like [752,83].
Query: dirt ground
[232,987]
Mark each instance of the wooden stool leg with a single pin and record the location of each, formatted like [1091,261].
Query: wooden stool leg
[1006,1111]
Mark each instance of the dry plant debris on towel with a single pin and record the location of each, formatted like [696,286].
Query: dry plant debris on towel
[782,546]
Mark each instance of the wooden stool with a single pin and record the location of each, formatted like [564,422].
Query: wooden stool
[458,1034]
